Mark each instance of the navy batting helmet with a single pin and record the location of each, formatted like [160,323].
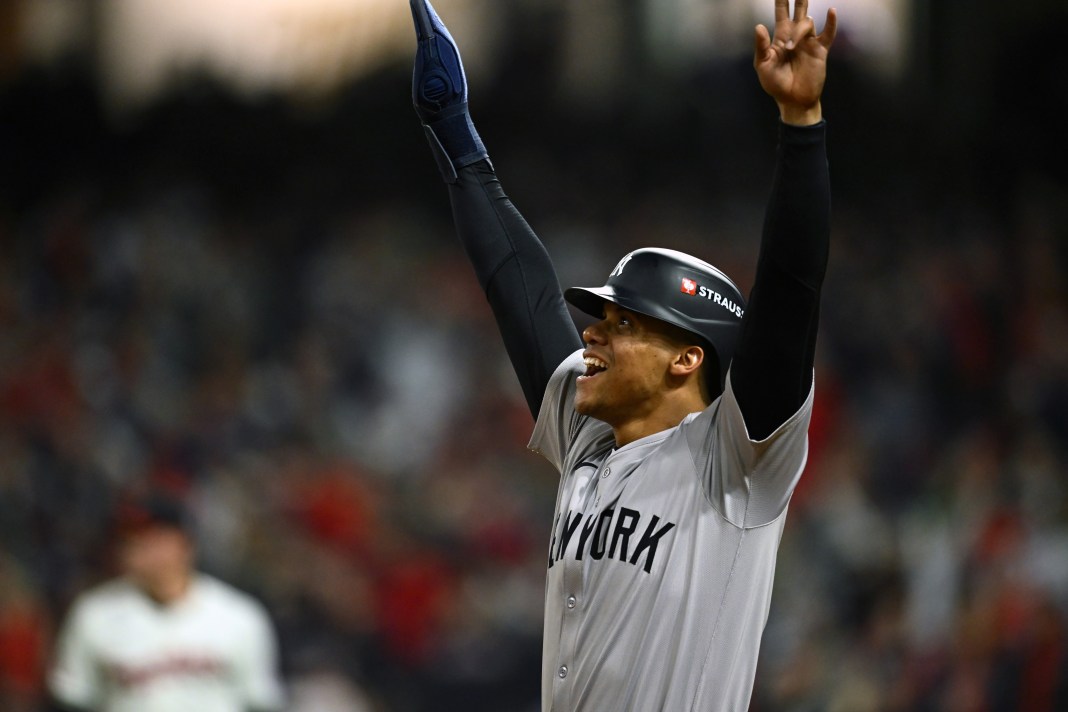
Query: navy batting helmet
[673,287]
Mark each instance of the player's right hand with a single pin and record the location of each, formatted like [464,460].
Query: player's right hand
[438,81]
[439,93]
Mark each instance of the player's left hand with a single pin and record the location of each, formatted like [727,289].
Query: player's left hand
[792,63]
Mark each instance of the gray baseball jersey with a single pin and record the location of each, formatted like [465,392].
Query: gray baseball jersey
[662,555]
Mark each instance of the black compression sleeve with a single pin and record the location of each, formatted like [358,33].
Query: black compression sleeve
[772,368]
[517,276]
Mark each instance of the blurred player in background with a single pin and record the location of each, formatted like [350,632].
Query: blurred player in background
[164,637]
[678,422]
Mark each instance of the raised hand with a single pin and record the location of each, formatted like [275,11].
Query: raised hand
[438,81]
[792,63]
[439,93]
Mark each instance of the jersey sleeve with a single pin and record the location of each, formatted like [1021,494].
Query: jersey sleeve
[749,482]
[258,666]
[74,679]
[561,435]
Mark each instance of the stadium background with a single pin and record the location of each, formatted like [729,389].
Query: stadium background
[227,269]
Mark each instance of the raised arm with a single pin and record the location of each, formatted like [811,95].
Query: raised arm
[509,260]
[772,368]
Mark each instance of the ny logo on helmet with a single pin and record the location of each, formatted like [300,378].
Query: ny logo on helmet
[622,263]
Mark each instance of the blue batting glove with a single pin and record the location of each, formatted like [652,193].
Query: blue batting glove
[439,92]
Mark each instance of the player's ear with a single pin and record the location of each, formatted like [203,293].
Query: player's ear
[688,360]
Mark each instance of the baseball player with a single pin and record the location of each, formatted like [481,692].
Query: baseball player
[164,638]
[678,422]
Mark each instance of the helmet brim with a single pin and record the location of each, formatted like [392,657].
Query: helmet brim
[590,300]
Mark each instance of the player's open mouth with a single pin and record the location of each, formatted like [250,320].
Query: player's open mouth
[594,366]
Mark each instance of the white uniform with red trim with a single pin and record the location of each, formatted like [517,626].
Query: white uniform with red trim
[212,651]
[662,555]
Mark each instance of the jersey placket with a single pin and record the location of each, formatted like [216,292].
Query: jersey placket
[605,490]
[574,592]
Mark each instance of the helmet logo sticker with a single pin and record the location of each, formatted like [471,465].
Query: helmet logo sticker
[694,289]
[619,267]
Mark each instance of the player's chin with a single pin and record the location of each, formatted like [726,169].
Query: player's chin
[587,399]
[584,401]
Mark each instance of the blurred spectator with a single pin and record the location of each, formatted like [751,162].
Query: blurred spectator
[164,637]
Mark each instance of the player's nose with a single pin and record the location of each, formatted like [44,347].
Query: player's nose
[593,334]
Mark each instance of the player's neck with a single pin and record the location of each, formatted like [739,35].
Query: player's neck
[166,590]
[669,414]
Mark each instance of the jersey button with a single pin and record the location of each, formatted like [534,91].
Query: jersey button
[562,672]
[571,601]
[607,472]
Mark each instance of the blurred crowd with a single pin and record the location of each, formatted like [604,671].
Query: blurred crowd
[268,315]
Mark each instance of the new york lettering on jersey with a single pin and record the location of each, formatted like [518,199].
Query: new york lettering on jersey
[608,514]
[609,533]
